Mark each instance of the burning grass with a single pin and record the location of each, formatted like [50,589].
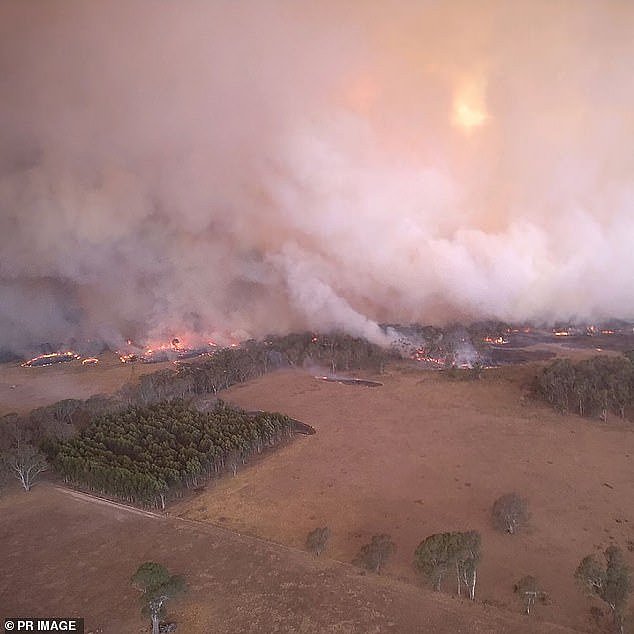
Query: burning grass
[50,359]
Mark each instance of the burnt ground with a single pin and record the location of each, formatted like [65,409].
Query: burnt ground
[63,553]
[542,346]
[23,389]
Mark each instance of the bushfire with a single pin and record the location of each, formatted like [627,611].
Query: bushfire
[50,359]
[173,351]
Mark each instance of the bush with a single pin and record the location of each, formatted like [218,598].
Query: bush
[317,540]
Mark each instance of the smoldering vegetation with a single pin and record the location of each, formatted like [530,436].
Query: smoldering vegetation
[227,170]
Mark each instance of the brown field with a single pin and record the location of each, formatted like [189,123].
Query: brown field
[425,454]
[420,454]
[65,555]
[23,389]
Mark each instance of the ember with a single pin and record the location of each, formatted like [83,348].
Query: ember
[174,351]
[497,340]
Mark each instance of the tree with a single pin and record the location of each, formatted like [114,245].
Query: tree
[158,586]
[528,591]
[26,462]
[4,473]
[432,558]
[317,540]
[373,555]
[476,370]
[467,549]
[510,513]
[439,553]
[610,583]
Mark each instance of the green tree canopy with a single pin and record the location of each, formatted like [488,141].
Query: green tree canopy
[610,581]
[157,586]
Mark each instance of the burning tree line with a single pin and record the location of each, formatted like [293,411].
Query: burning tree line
[592,387]
[229,366]
[145,455]
[25,439]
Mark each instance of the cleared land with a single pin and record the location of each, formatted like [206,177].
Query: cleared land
[63,553]
[425,454]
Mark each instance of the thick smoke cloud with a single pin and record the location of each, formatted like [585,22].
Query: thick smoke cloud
[224,169]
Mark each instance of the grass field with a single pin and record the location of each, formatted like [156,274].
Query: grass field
[426,454]
[63,553]
[418,455]
[23,389]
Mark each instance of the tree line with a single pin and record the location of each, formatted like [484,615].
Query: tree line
[228,366]
[145,455]
[24,439]
[592,387]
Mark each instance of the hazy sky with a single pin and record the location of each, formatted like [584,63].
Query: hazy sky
[232,168]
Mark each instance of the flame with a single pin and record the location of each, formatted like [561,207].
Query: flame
[174,349]
[50,359]
[498,340]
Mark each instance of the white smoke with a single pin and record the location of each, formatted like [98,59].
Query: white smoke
[230,169]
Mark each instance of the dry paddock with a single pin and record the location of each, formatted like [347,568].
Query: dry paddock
[68,555]
[425,454]
[418,455]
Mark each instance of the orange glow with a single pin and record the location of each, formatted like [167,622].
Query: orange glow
[498,340]
[174,349]
[50,359]
[469,108]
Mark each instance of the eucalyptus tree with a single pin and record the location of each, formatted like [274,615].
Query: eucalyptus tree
[455,553]
[610,581]
[528,590]
[158,587]
[374,554]
[510,513]
[26,462]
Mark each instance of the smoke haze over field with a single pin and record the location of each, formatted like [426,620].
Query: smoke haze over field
[234,168]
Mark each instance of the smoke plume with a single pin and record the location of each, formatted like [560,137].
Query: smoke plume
[227,169]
